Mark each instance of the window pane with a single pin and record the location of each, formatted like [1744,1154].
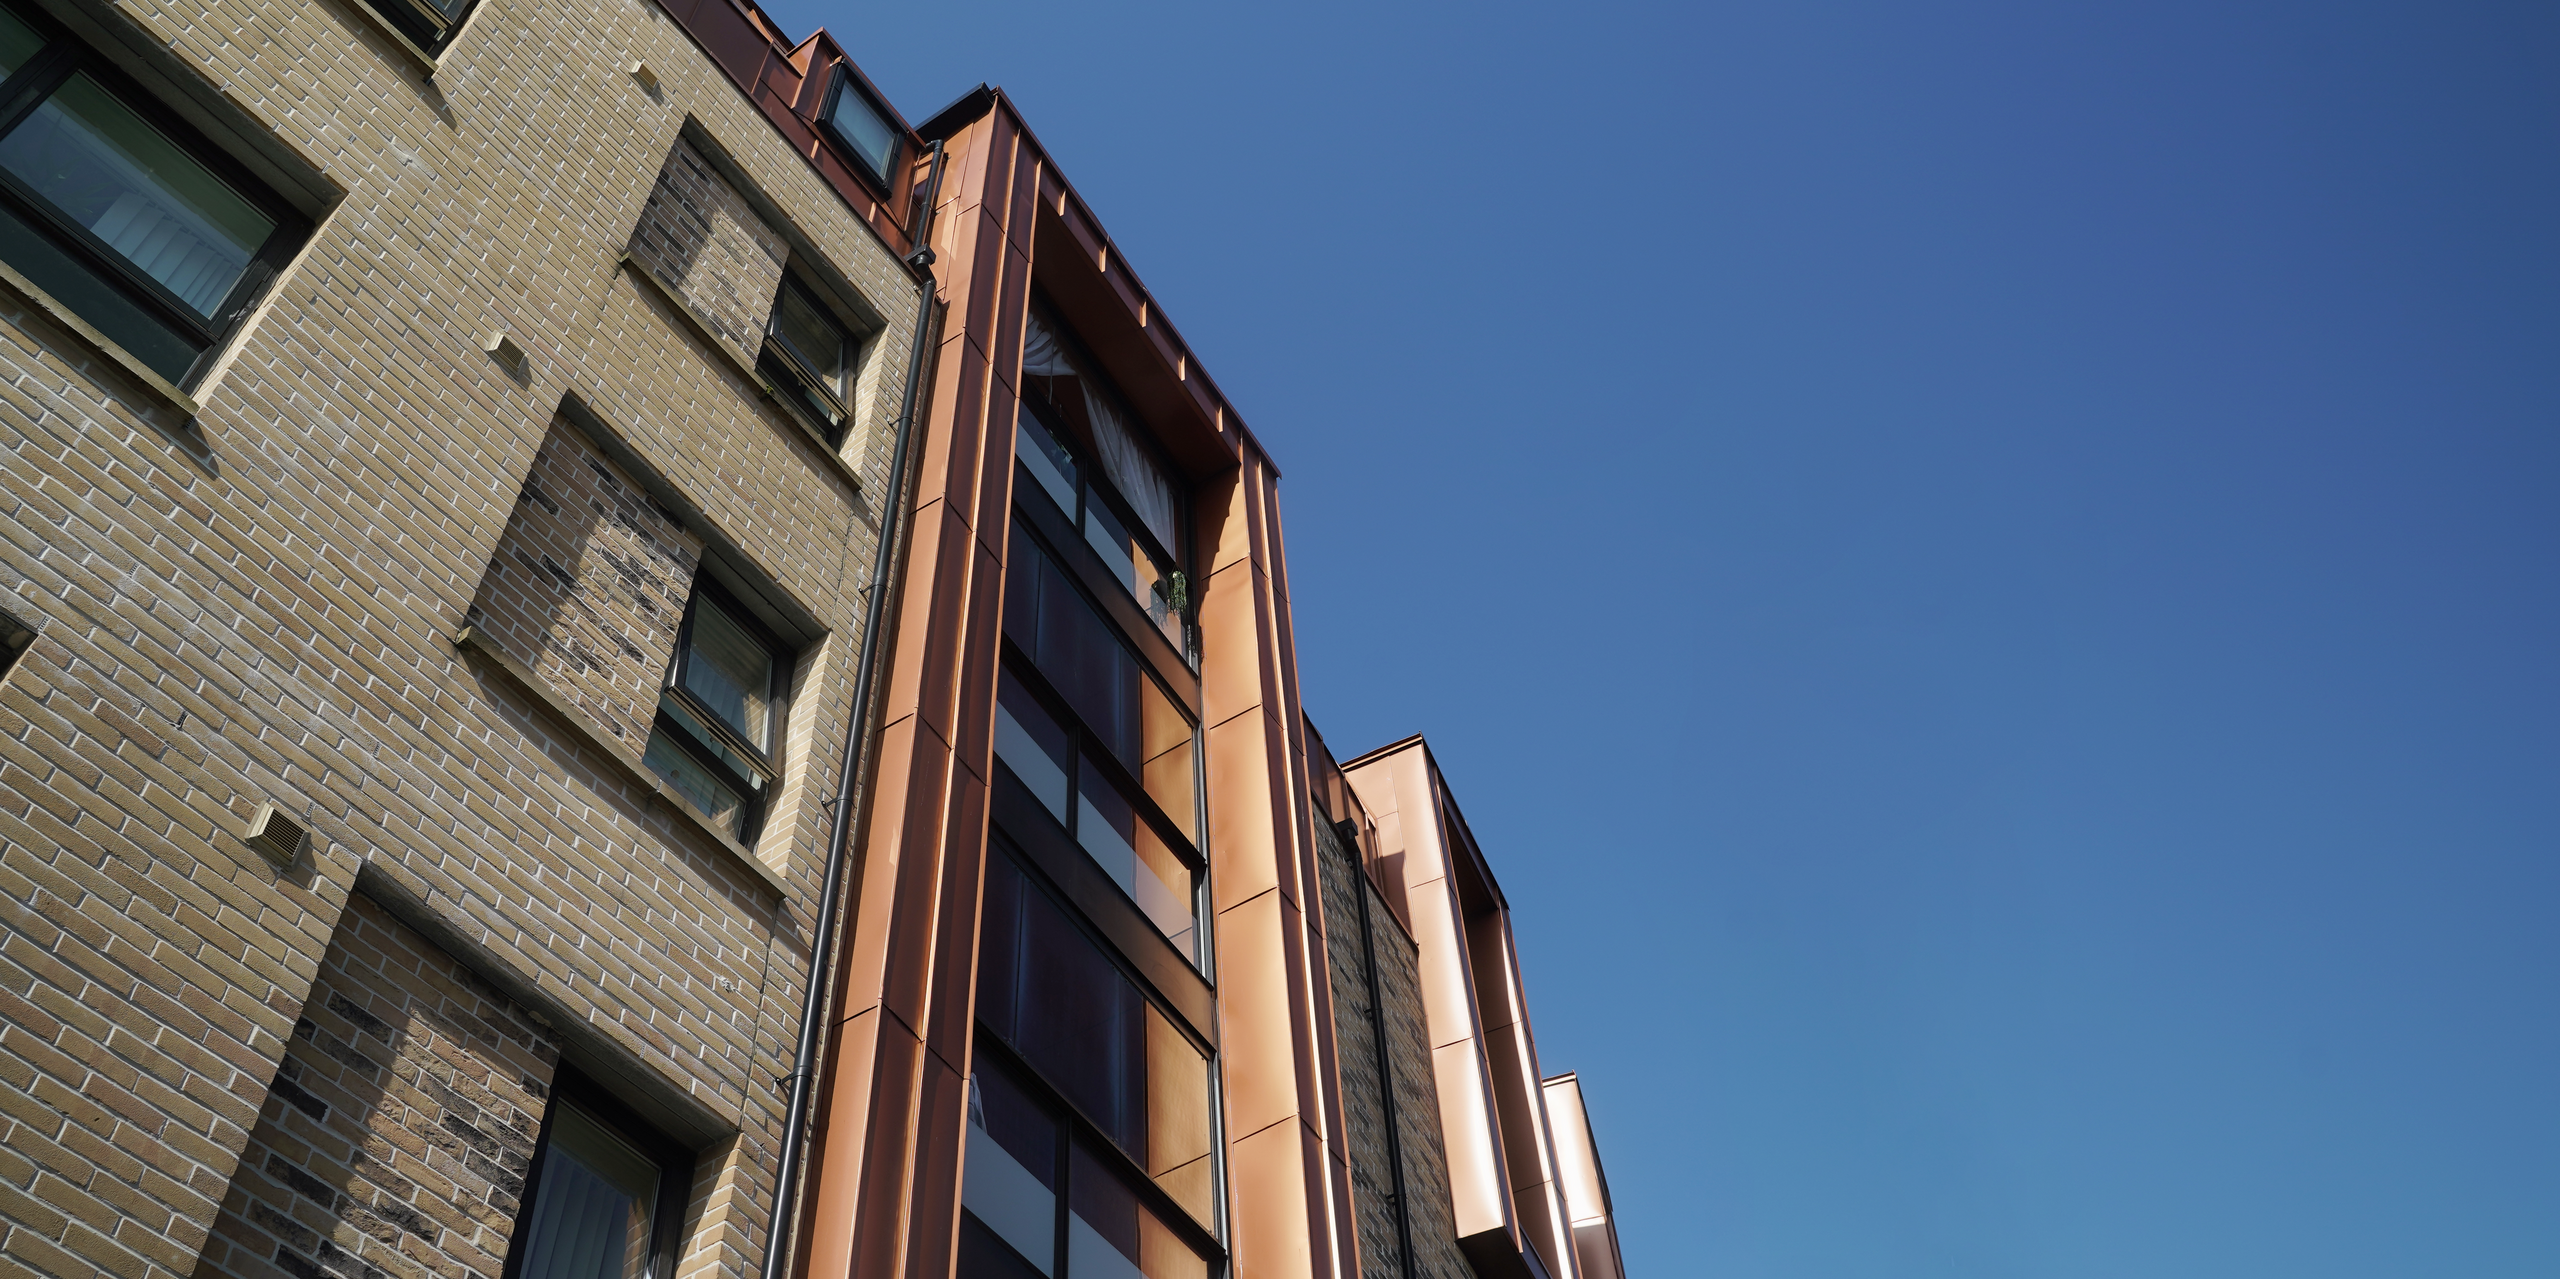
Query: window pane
[704,739]
[18,42]
[863,129]
[1046,459]
[1128,849]
[592,1209]
[1084,659]
[691,780]
[812,335]
[1011,1178]
[1032,745]
[1083,1025]
[730,670]
[95,159]
[1178,1140]
[72,283]
[1167,772]
[1111,1234]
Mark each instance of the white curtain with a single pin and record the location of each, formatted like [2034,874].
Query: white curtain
[1131,470]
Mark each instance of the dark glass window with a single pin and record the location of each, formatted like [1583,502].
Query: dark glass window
[1137,562]
[808,358]
[1054,998]
[714,737]
[133,221]
[863,128]
[606,1194]
[1021,1154]
[1115,763]
[429,24]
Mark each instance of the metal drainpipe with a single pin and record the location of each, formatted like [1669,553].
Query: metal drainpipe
[784,1229]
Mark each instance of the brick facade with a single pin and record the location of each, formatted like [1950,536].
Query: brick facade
[698,235]
[588,585]
[395,1139]
[1375,954]
[251,595]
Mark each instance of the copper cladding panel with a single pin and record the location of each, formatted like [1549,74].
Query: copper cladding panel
[884,1172]
[1586,1190]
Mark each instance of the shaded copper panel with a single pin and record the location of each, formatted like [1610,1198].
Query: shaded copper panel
[1586,1188]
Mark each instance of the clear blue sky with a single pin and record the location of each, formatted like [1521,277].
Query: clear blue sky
[1988,575]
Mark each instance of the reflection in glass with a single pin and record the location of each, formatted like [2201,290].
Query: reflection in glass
[696,783]
[862,128]
[1112,1234]
[1032,745]
[1010,1182]
[100,163]
[18,42]
[592,1208]
[813,336]
[1047,460]
[730,670]
[1128,849]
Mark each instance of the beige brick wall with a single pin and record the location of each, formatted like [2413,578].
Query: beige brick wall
[259,607]
[396,1138]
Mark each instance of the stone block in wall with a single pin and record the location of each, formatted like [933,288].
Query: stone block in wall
[700,238]
[589,584]
[396,1136]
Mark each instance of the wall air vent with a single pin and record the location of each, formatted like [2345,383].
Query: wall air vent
[278,838]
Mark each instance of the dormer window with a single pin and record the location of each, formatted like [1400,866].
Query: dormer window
[808,359]
[864,129]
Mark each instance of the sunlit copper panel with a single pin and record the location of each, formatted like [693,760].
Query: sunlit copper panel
[1503,1185]
[1586,1188]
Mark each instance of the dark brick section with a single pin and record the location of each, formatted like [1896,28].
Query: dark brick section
[395,1140]
[589,585]
[1375,954]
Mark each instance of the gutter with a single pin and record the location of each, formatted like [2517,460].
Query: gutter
[784,1230]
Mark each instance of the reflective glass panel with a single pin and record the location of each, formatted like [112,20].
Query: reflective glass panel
[593,1208]
[863,128]
[1128,849]
[730,670]
[1046,459]
[813,336]
[1112,1234]
[696,783]
[98,161]
[1032,745]
[1011,1179]
[18,42]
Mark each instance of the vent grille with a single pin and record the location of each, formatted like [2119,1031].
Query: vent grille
[278,838]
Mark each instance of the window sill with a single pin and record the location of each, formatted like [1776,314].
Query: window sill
[425,61]
[471,640]
[100,343]
[729,355]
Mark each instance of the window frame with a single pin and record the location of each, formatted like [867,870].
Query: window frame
[1084,744]
[64,55]
[753,798]
[402,17]
[787,365]
[1059,1104]
[1092,482]
[1075,1129]
[675,1171]
[843,82]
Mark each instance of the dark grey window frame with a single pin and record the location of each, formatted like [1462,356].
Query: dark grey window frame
[66,54]
[422,22]
[846,82]
[753,799]
[791,379]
